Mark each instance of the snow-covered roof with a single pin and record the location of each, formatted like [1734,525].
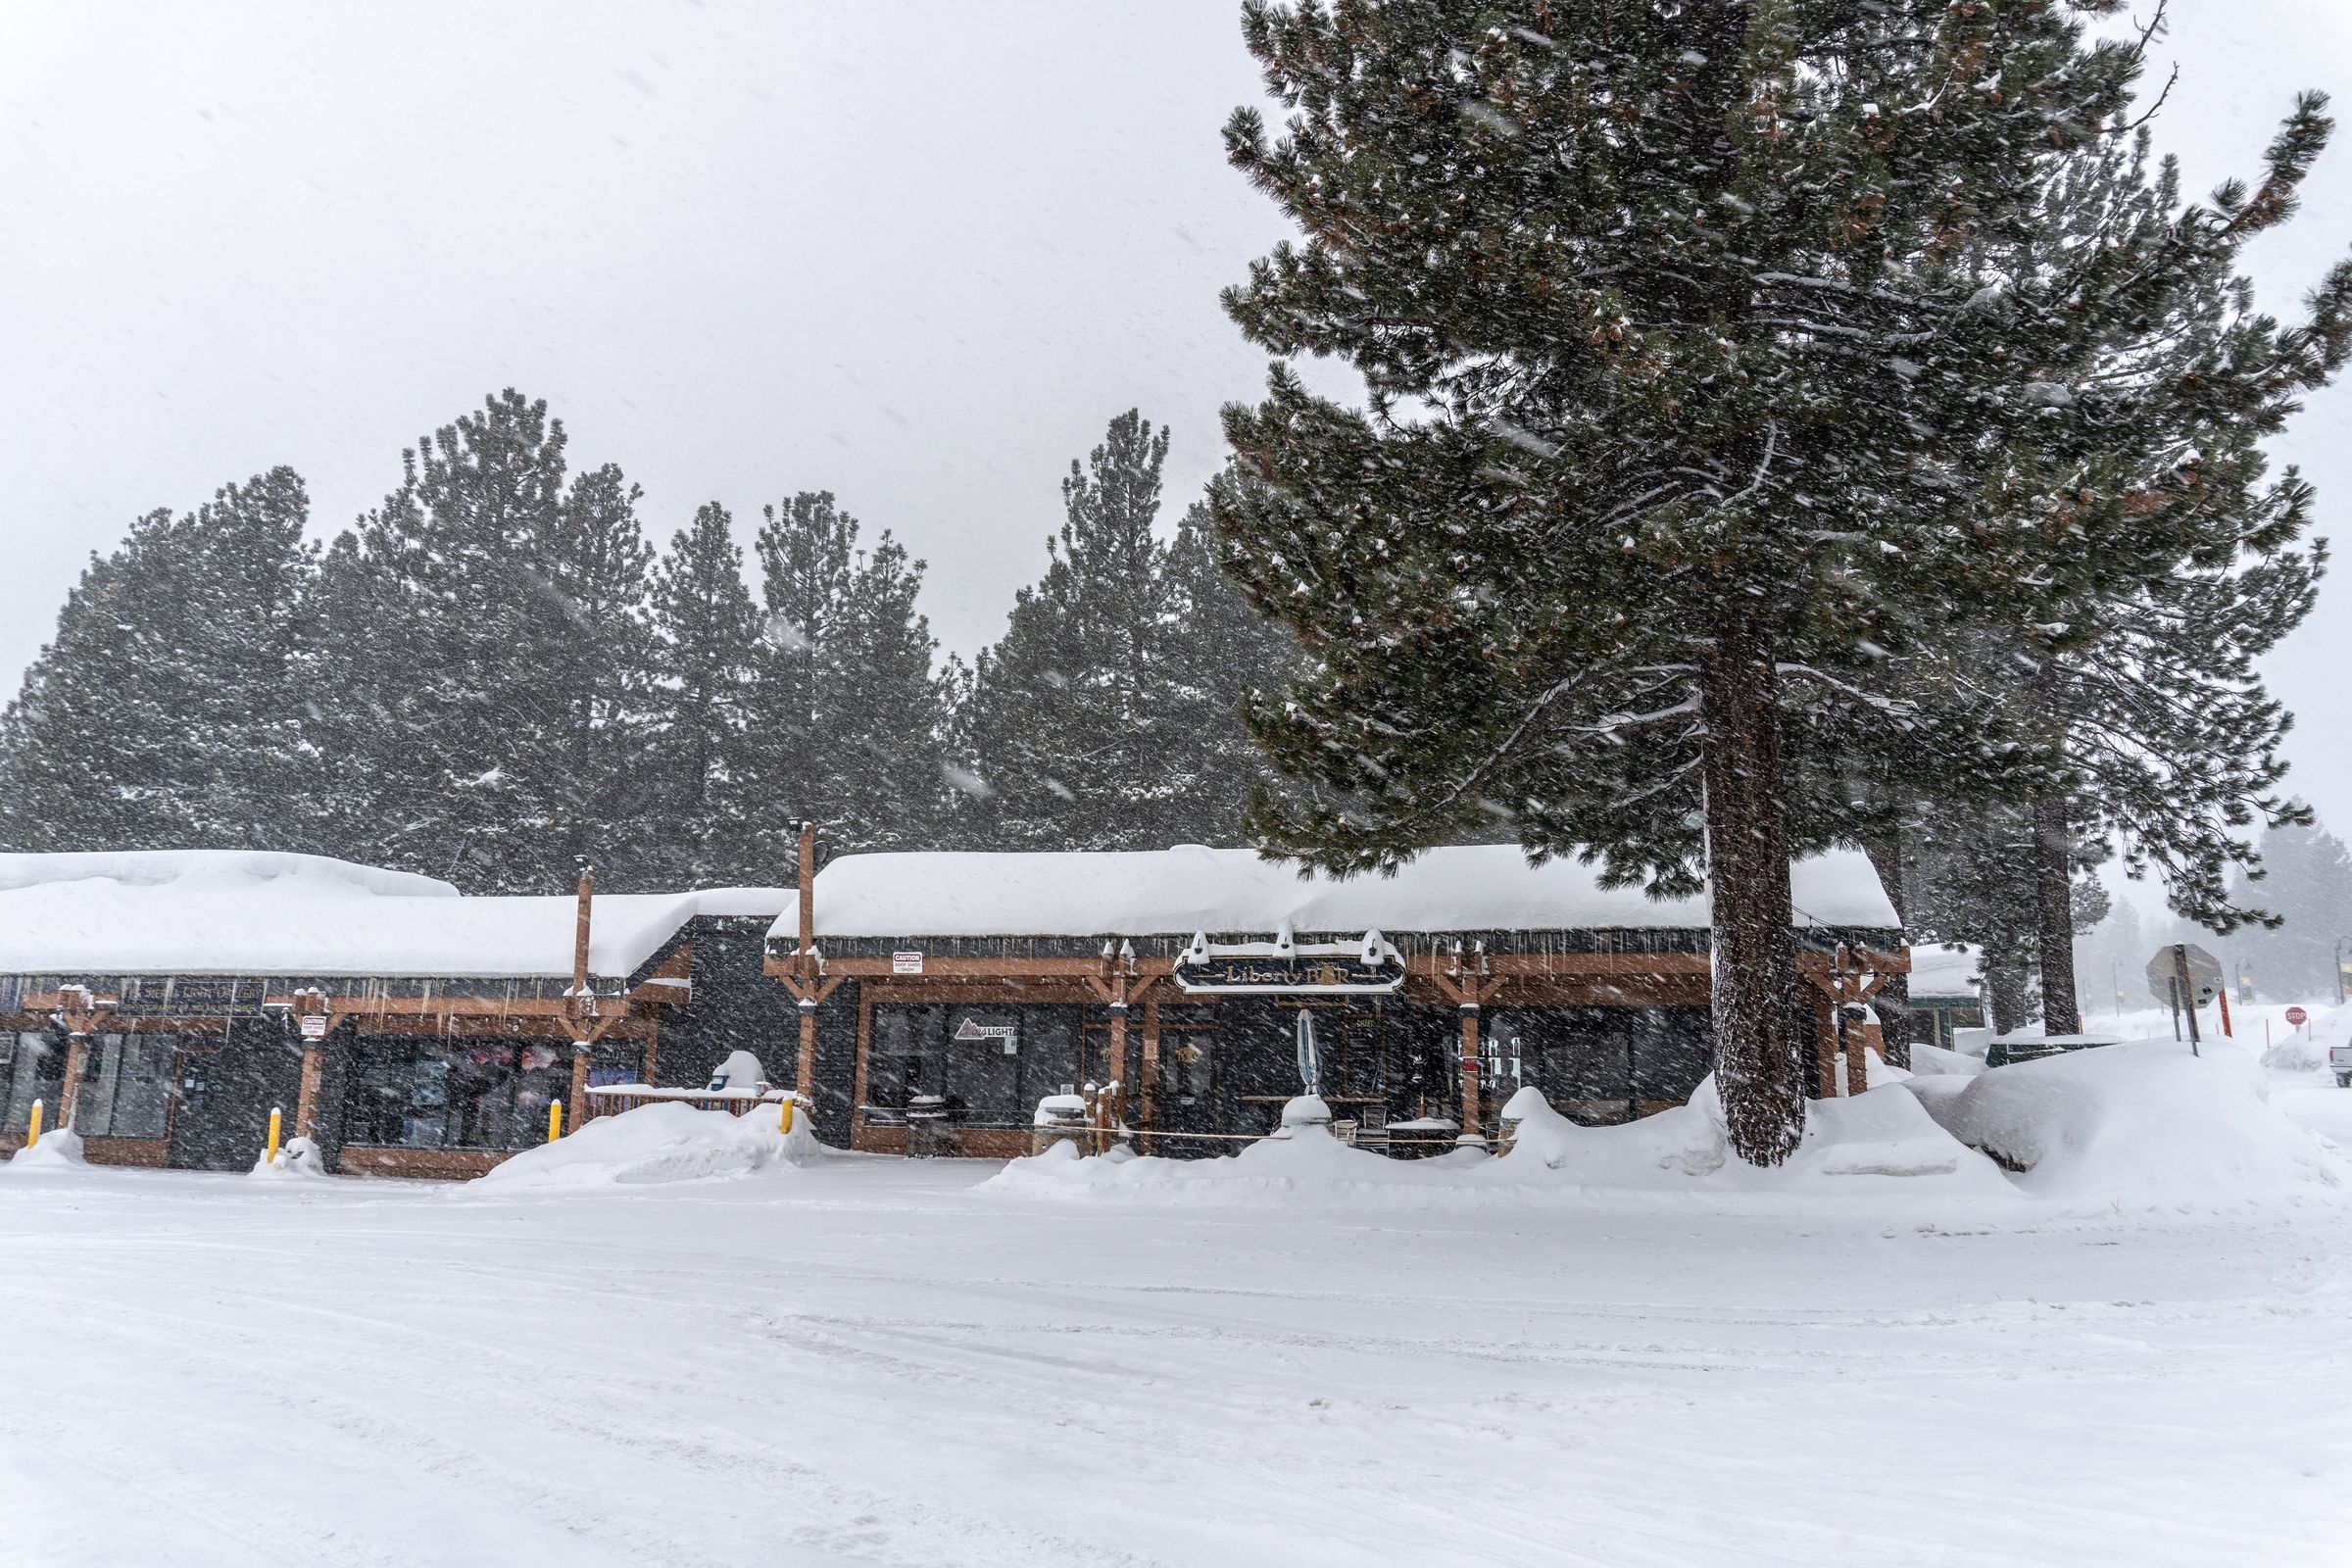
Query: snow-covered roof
[191,869]
[227,913]
[1190,889]
[1946,971]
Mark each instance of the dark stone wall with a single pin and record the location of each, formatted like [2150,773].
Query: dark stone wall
[836,1063]
[222,1122]
[735,1006]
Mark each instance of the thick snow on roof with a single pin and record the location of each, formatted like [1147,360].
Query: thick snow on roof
[229,914]
[1944,970]
[189,868]
[1180,891]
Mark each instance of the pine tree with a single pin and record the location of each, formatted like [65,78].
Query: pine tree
[1225,654]
[1078,716]
[163,713]
[848,717]
[893,714]
[2138,664]
[478,719]
[601,770]
[705,639]
[1973,876]
[1682,365]
[2307,882]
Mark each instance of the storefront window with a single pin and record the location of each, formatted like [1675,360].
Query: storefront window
[609,1063]
[1188,1054]
[35,1069]
[434,1093]
[127,1093]
[991,1064]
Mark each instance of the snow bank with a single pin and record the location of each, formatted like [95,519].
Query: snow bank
[661,1143]
[298,1160]
[1934,1062]
[57,1151]
[1878,1143]
[1186,890]
[2141,1125]
[2294,1053]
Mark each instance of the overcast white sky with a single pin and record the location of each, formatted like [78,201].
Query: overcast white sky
[912,251]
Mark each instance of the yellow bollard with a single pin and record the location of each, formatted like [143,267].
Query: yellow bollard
[269,1156]
[555,1120]
[32,1135]
[786,1127]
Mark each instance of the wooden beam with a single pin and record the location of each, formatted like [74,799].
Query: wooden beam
[807,898]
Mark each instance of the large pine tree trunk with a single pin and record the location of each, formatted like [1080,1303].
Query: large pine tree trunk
[2054,916]
[2008,983]
[1747,867]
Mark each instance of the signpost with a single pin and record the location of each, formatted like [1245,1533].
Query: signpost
[2184,973]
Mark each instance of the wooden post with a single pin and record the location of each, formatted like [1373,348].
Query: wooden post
[804,1078]
[1849,1035]
[1473,1113]
[1825,1047]
[69,1094]
[579,939]
[79,1011]
[580,1015]
[1149,1099]
[1118,1074]
[306,1103]
[309,1005]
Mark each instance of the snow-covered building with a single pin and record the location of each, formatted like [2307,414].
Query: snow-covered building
[162,1002]
[943,996]
[1947,990]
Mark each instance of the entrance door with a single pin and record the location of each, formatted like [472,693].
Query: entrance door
[225,1086]
[1186,1099]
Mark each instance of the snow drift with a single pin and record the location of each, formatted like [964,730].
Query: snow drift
[57,1151]
[2132,1126]
[298,1160]
[1874,1143]
[661,1143]
[2146,1124]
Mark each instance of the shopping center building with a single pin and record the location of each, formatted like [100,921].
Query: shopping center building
[162,1003]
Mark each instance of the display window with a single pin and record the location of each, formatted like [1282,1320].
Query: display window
[454,1093]
[32,1066]
[990,1065]
[126,1092]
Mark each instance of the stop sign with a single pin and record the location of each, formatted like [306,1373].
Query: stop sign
[2295,1017]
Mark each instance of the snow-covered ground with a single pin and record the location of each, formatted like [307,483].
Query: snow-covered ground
[876,1361]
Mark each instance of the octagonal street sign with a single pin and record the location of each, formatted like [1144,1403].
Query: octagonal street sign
[2204,973]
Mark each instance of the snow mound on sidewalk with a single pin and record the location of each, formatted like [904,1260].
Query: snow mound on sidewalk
[2146,1124]
[298,1160]
[57,1151]
[661,1143]
[1875,1144]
